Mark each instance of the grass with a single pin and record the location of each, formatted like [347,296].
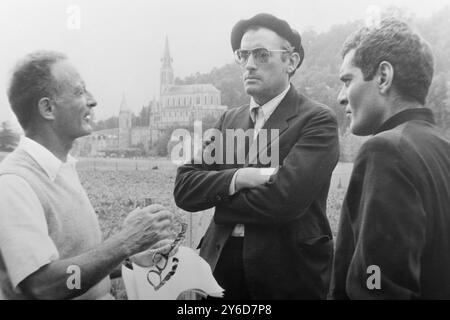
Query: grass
[115,187]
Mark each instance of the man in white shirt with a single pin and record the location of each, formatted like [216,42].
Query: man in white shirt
[270,237]
[50,240]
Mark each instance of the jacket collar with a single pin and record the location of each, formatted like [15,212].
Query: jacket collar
[397,119]
[286,110]
[269,107]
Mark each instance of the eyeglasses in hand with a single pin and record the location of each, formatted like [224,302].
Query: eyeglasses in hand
[160,260]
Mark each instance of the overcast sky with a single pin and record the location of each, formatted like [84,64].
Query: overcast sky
[119,44]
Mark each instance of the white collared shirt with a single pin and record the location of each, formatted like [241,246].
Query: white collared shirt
[47,160]
[264,114]
[266,110]
[23,223]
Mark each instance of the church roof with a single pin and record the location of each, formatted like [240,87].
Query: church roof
[192,88]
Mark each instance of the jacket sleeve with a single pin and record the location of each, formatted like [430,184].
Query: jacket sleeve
[305,171]
[389,225]
[200,186]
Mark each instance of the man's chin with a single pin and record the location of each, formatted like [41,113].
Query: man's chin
[251,90]
[87,130]
[360,130]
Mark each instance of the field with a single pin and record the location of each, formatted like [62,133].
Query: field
[117,186]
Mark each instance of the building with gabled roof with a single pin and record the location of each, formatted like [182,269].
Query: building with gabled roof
[178,106]
[181,105]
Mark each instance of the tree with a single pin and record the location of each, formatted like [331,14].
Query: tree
[8,138]
[110,123]
[228,79]
[144,117]
[438,100]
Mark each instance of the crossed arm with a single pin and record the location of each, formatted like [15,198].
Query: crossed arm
[305,171]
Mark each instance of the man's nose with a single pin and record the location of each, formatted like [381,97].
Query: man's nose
[342,98]
[250,62]
[91,102]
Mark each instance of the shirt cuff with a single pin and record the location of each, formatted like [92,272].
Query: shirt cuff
[233,184]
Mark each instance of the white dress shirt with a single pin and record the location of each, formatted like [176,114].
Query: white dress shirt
[22,209]
[262,115]
[25,241]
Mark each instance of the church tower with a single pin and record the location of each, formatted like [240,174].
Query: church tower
[124,125]
[166,78]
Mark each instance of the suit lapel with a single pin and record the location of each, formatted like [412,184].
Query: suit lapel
[242,121]
[286,110]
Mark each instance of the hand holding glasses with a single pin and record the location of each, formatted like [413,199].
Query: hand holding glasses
[161,259]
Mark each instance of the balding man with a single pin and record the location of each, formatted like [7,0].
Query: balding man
[48,228]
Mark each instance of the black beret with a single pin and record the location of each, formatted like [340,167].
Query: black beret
[271,22]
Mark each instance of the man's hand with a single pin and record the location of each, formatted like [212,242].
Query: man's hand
[145,227]
[142,229]
[147,258]
[251,177]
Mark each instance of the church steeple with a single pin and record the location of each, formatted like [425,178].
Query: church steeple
[125,125]
[123,104]
[166,78]
[167,59]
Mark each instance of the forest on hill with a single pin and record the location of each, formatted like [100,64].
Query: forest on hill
[318,76]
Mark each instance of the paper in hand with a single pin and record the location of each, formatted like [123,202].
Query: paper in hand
[186,270]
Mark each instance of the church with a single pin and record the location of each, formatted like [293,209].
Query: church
[178,106]
[181,105]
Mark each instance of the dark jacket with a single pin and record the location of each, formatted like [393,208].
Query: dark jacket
[288,242]
[396,214]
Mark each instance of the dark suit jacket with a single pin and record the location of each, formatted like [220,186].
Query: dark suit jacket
[396,214]
[288,242]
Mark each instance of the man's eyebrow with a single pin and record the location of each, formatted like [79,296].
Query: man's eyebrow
[79,87]
[345,76]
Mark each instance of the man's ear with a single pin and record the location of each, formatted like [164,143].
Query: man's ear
[294,60]
[385,76]
[46,109]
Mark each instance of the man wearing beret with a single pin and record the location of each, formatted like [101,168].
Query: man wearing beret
[270,237]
